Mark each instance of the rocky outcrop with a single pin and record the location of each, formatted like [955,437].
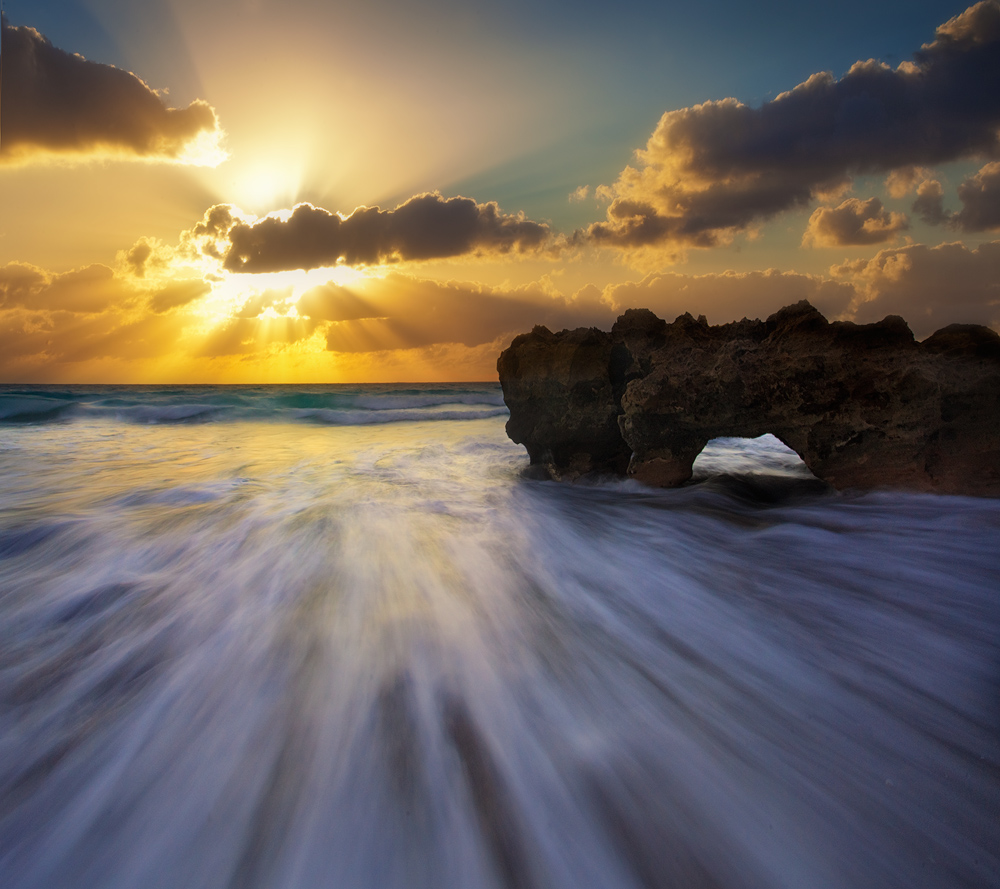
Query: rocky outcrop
[863,405]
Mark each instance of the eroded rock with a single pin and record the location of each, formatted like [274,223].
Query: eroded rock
[863,405]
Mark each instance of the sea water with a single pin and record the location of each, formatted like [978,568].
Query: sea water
[331,636]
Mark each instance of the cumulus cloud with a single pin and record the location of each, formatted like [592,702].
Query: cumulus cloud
[55,102]
[980,197]
[929,286]
[929,205]
[427,226]
[899,183]
[714,169]
[853,223]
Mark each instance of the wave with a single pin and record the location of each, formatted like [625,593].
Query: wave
[17,408]
[425,400]
[340,405]
[371,417]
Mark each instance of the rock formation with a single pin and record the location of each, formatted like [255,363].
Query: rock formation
[863,405]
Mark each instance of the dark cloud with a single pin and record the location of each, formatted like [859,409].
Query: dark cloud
[929,205]
[57,102]
[714,169]
[929,286]
[980,197]
[853,223]
[426,226]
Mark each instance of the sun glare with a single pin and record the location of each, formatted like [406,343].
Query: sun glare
[205,150]
[265,184]
[278,292]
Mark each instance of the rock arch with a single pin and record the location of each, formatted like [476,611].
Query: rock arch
[863,405]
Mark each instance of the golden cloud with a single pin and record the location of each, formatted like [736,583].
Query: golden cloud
[730,296]
[853,223]
[929,286]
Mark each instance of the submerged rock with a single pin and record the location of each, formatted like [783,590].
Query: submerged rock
[863,405]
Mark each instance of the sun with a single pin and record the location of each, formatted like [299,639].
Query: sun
[265,183]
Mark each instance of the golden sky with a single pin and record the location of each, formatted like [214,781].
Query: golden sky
[239,192]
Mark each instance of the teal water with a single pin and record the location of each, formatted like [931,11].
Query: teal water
[342,405]
[330,636]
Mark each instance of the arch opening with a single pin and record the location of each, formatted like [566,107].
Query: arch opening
[765,455]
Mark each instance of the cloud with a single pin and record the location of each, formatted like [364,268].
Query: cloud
[177,294]
[580,193]
[730,296]
[50,321]
[714,169]
[853,223]
[19,283]
[980,197]
[401,312]
[89,290]
[55,102]
[426,226]
[899,183]
[929,286]
[929,205]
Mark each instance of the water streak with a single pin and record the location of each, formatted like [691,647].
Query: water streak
[281,654]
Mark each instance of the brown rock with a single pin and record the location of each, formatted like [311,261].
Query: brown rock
[567,411]
[863,405]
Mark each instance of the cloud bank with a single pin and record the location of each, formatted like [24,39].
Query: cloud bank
[715,169]
[53,324]
[55,102]
[426,226]
[930,287]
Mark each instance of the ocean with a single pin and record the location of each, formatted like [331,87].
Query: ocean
[305,636]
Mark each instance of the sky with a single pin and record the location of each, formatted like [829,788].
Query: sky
[241,191]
